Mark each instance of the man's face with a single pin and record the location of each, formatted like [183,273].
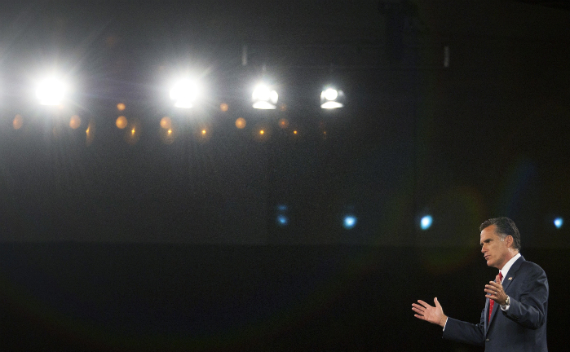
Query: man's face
[495,250]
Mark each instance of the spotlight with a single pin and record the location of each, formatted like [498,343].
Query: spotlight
[558,222]
[349,222]
[184,93]
[264,97]
[425,222]
[331,98]
[51,91]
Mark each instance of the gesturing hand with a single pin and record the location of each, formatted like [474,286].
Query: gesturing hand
[430,313]
[496,292]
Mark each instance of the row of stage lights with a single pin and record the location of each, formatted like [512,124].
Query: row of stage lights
[349,220]
[185,93]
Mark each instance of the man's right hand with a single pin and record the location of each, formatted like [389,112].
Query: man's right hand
[430,313]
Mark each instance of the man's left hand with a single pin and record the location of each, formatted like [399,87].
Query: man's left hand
[494,290]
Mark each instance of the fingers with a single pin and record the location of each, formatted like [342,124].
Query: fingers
[425,304]
[436,302]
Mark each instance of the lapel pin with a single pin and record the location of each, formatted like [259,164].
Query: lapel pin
[510,278]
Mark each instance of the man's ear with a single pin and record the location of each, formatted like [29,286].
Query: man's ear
[510,241]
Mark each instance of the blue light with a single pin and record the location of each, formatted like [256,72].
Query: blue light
[349,222]
[282,220]
[426,222]
[558,222]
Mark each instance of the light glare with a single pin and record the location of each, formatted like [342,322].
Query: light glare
[426,222]
[51,91]
[264,97]
[349,222]
[558,222]
[184,93]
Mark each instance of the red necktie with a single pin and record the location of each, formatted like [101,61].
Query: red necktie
[491,302]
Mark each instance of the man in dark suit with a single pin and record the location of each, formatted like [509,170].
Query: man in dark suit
[514,317]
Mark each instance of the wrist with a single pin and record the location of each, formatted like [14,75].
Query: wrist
[443,321]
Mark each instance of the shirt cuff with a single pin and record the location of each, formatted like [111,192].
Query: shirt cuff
[444,325]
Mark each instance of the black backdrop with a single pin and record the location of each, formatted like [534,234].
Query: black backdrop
[180,297]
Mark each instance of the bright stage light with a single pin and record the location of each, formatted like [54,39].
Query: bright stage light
[264,97]
[184,93]
[558,222]
[349,222]
[332,98]
[51,91]
[425,222]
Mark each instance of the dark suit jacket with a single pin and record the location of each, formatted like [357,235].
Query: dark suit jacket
[522,327]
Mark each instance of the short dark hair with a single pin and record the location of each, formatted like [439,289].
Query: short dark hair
[505,227]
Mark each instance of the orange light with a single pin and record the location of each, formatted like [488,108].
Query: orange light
[261,132]
[18,122]
[203,132]
[294,132]
[121,107]
[74,122]
[283,123]
[169,132]
[166,123]
[121,122]
[224,107]
[90,133]
[133,131]
[240,123]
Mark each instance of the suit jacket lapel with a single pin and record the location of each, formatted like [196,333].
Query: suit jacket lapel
[506,283]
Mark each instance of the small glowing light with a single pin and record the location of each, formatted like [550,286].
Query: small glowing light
[282,220]
[261,132]
[283,123]
[51,91]
[75,122]
[282,207]
[558,222]
[121,107]
[349,222]
[264,97]
[295,132]
[426,222]
[90,133]
[166,122]
[168,136]
[18,122]
[224,107]
[240,123]
[133,131]
[121,122]
[283,107]
[184,93]
[204,132]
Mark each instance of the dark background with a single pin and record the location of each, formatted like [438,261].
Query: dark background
[458,109]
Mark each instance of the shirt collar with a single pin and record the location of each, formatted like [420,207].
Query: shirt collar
[507,267]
